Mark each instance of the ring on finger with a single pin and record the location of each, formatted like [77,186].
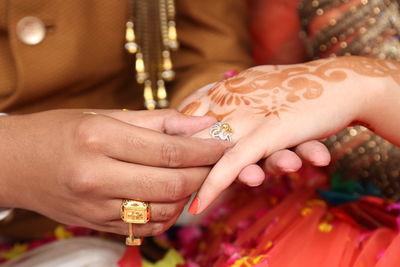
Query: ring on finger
[222,131]
[134,212]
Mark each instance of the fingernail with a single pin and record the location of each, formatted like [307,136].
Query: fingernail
[320,163]
[194,207]
[288,170]
[255,184]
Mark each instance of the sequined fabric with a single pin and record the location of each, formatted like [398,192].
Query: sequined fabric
[366,28]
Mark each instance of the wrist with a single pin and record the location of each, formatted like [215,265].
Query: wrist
[370,90]
[6,187]
[380,112]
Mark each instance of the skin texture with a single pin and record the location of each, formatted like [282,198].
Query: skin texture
[280,162]
[271,90]
[76,168]
[272,108]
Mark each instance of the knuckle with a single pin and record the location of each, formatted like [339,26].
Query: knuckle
[84,183]
[176,188]
[86,134]
[171,155]
[167,213]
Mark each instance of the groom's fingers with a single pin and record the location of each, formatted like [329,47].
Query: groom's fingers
[167,120]
[140,145]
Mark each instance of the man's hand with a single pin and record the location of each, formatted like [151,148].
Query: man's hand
[77,167]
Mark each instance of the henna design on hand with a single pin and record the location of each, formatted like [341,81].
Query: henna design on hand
[282,85]
[191,108]
[219,116]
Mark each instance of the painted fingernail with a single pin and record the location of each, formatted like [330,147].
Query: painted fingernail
[194,207]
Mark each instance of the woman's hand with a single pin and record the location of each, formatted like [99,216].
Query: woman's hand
[76,167]
[280,162]
[271,108]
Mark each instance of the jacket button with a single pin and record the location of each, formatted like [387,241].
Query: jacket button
[31,30]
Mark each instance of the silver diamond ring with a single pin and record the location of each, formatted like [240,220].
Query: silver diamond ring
[221,131]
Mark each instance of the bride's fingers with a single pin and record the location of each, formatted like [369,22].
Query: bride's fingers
[247,151]
[252,175]
[282,161]
[285,161]
[314,152]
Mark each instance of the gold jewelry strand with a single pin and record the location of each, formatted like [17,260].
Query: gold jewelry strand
[163,22]
[151,36]
[161,91]
[152,45]
[131,46]
[173,43]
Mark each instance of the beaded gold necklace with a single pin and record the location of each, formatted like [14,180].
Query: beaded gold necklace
[151,36]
